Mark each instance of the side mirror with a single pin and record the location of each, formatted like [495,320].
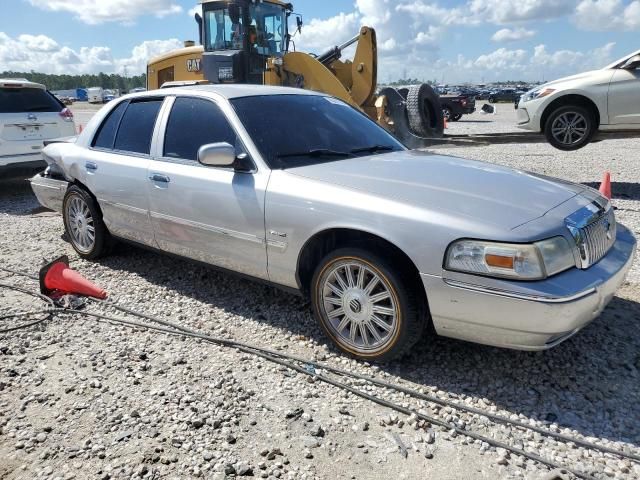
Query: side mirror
[299,23]
[217,155]
[632,63]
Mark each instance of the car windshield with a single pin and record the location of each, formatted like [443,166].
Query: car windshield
[20,100]
[297,130]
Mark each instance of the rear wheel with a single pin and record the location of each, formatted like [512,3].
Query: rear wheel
[424,111]
[365,305]
[570,127]
[83,223]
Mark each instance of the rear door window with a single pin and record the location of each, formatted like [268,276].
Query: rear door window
[136,128]
[107,133]
[20,100]
[194,122]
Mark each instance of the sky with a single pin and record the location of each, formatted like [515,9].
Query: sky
[455,41]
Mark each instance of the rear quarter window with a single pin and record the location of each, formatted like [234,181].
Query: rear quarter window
[20,100]
[136,127]
[106,136]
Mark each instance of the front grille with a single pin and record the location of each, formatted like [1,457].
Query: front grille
[594,234]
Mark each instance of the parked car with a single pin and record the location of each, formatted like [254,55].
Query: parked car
[29,114]
[456,105]
[571,110]
[504,95]
[383,240]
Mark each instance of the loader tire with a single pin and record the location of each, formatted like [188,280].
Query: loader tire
[424,111]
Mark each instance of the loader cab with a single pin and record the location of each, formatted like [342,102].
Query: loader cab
[239,36]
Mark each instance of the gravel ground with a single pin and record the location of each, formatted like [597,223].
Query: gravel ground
[81,399]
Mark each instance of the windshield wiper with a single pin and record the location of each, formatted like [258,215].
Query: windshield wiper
[373,149]
[318,152]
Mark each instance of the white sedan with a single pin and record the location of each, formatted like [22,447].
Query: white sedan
[571,110]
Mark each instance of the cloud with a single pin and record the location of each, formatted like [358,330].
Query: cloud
[319,35]
[43,54]
[39,43]
[605,15]
[510,11]
[94,12]
[509,35]
[520,64]
[137,62]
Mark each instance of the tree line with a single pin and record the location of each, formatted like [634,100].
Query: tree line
[68,82]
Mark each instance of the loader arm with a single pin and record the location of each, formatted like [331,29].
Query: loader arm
[353,82]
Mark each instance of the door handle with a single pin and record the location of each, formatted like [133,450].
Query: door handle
[156,177]
[91,166]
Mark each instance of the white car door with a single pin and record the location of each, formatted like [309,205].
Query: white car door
[624,98]
[116,168]
[214,215]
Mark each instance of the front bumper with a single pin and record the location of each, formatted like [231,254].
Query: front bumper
[534,318]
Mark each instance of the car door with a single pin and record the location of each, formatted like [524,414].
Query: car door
[116,168]
[210,214]
[624,97]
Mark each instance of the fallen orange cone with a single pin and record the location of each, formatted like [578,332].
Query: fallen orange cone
[605,186]
[58,277]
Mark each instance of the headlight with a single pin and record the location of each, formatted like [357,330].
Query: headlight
[524,262]
[535,94]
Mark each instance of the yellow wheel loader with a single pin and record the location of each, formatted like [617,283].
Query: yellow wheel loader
[248,41]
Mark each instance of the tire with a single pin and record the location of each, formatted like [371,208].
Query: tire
[83,224]
[570,127]
[492,100]
[398,322]
[424,111]
[455,118]
[404,92]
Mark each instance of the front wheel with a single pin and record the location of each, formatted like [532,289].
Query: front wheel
[366,305]
[83,222]
[570,127]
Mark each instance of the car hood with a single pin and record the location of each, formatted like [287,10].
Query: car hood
[485,192]
[591,76]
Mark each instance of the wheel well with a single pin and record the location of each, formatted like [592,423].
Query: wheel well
[573,99]
[81,185]
[322,243]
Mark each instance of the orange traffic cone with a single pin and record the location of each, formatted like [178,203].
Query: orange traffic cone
[446,124]
[605,186]
[57,276]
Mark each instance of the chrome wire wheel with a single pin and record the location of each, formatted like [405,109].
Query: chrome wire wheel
[80,224]
[359,306]
[569,128]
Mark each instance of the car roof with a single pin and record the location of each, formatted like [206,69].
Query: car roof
[228,91]
[20,82]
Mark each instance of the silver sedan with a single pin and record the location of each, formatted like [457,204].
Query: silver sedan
[300,190]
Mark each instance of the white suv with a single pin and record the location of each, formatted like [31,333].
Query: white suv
[571,110]
[29,115]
